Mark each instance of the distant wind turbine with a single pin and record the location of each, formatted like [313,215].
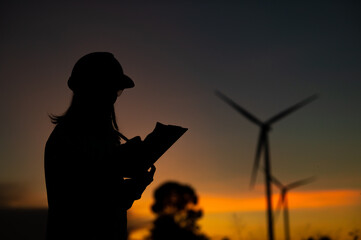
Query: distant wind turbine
[263,144]
[283,201]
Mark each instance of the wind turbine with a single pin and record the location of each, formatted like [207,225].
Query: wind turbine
[263,144]
[283,201]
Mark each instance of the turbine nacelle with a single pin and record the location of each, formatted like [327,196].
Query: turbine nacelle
[265,127]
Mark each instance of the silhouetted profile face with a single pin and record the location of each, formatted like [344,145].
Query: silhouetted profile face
[99,77]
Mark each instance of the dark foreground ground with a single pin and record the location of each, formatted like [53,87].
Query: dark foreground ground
[30,224]
[22,224]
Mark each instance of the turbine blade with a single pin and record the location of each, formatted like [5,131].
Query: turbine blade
[291,109]
[300,183]
[277,182]
[241,110]
[257,158]
[284,192]
[279,204]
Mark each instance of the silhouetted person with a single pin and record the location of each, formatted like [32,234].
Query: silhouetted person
[177,213]
[84,161]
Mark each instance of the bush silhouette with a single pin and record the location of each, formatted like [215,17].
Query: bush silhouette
[177,213]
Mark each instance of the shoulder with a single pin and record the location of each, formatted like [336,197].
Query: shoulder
[60,134]
[62,139]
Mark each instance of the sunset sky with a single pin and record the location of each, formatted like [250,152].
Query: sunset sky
[264,56]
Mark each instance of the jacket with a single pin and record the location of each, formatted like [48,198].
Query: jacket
[88,197]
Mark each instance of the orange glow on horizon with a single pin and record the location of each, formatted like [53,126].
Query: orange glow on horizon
[297,200]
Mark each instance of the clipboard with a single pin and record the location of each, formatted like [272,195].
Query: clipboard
[141,155]
[160,140]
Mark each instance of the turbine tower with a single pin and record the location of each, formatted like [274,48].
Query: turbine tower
[283,201]
[263,144]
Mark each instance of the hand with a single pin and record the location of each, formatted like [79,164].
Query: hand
[141,181]
[148,176]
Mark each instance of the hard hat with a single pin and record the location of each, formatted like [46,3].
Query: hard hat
[98,71]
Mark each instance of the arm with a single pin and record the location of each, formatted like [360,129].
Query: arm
[134,187]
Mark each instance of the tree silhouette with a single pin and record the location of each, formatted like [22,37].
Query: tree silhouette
[177,213]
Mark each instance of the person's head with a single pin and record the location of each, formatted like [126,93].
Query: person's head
[98,76]
[96,80]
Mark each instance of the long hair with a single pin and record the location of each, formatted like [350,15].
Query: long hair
[72,112]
